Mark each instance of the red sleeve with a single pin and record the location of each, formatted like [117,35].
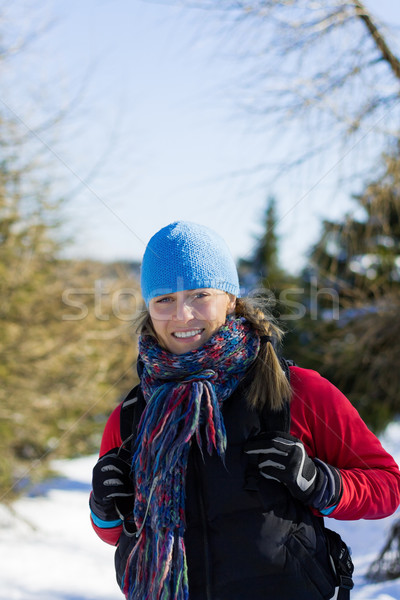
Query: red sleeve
[332,430]
[111,439]
[112,432]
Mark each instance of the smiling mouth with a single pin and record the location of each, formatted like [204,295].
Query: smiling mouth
[187,334]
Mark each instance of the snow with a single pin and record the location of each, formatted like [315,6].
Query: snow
[49,551]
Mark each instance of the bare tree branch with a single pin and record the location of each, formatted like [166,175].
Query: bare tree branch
[380,41]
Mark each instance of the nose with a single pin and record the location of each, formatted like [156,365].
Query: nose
[183,312]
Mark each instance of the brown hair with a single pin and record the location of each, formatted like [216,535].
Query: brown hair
[269,382]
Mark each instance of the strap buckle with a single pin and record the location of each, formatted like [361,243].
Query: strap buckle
[346,582]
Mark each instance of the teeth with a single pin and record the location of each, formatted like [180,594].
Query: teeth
[187,334]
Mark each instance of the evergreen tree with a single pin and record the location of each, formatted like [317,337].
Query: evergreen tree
[360,258]
[263,269]
[262,274]
[266,254]
[63,364]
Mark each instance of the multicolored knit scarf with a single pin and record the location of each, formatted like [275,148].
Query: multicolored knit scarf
[184,394]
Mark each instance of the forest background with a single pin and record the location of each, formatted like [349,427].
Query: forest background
[67,340]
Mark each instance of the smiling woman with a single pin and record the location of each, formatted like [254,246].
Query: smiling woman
[184,321]
[201,484]
[189,283]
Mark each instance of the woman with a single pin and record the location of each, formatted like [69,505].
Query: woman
[200,483]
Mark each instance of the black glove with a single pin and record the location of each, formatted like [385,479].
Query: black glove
[112,476]
[284,458]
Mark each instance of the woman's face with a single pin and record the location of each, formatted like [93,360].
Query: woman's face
[184,321]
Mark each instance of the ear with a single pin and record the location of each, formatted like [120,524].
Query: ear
[231,304]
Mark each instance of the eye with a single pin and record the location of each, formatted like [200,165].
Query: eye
[201,296]
[164,300]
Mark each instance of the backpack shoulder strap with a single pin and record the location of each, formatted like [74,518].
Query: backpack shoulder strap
[270,420]
[131,411]
[278,420]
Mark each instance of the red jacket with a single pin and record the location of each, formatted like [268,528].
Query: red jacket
[332,430]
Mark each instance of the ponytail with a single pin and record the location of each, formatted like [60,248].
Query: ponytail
[269,384]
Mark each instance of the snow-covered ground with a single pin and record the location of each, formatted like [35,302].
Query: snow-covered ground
[48,550]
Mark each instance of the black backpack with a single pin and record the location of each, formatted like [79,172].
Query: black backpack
[131,412]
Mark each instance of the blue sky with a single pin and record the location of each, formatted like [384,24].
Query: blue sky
[157,112]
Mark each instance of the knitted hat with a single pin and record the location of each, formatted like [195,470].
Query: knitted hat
[187,256]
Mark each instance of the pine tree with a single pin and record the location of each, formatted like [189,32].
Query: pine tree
[360,258]
[61,368]
[266,254]
[263,268]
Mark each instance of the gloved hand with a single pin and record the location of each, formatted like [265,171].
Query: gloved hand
[284,458]
[111,476]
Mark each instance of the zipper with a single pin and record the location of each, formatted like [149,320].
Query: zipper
[203,516]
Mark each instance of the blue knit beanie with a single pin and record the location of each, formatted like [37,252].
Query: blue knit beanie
[187,256]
